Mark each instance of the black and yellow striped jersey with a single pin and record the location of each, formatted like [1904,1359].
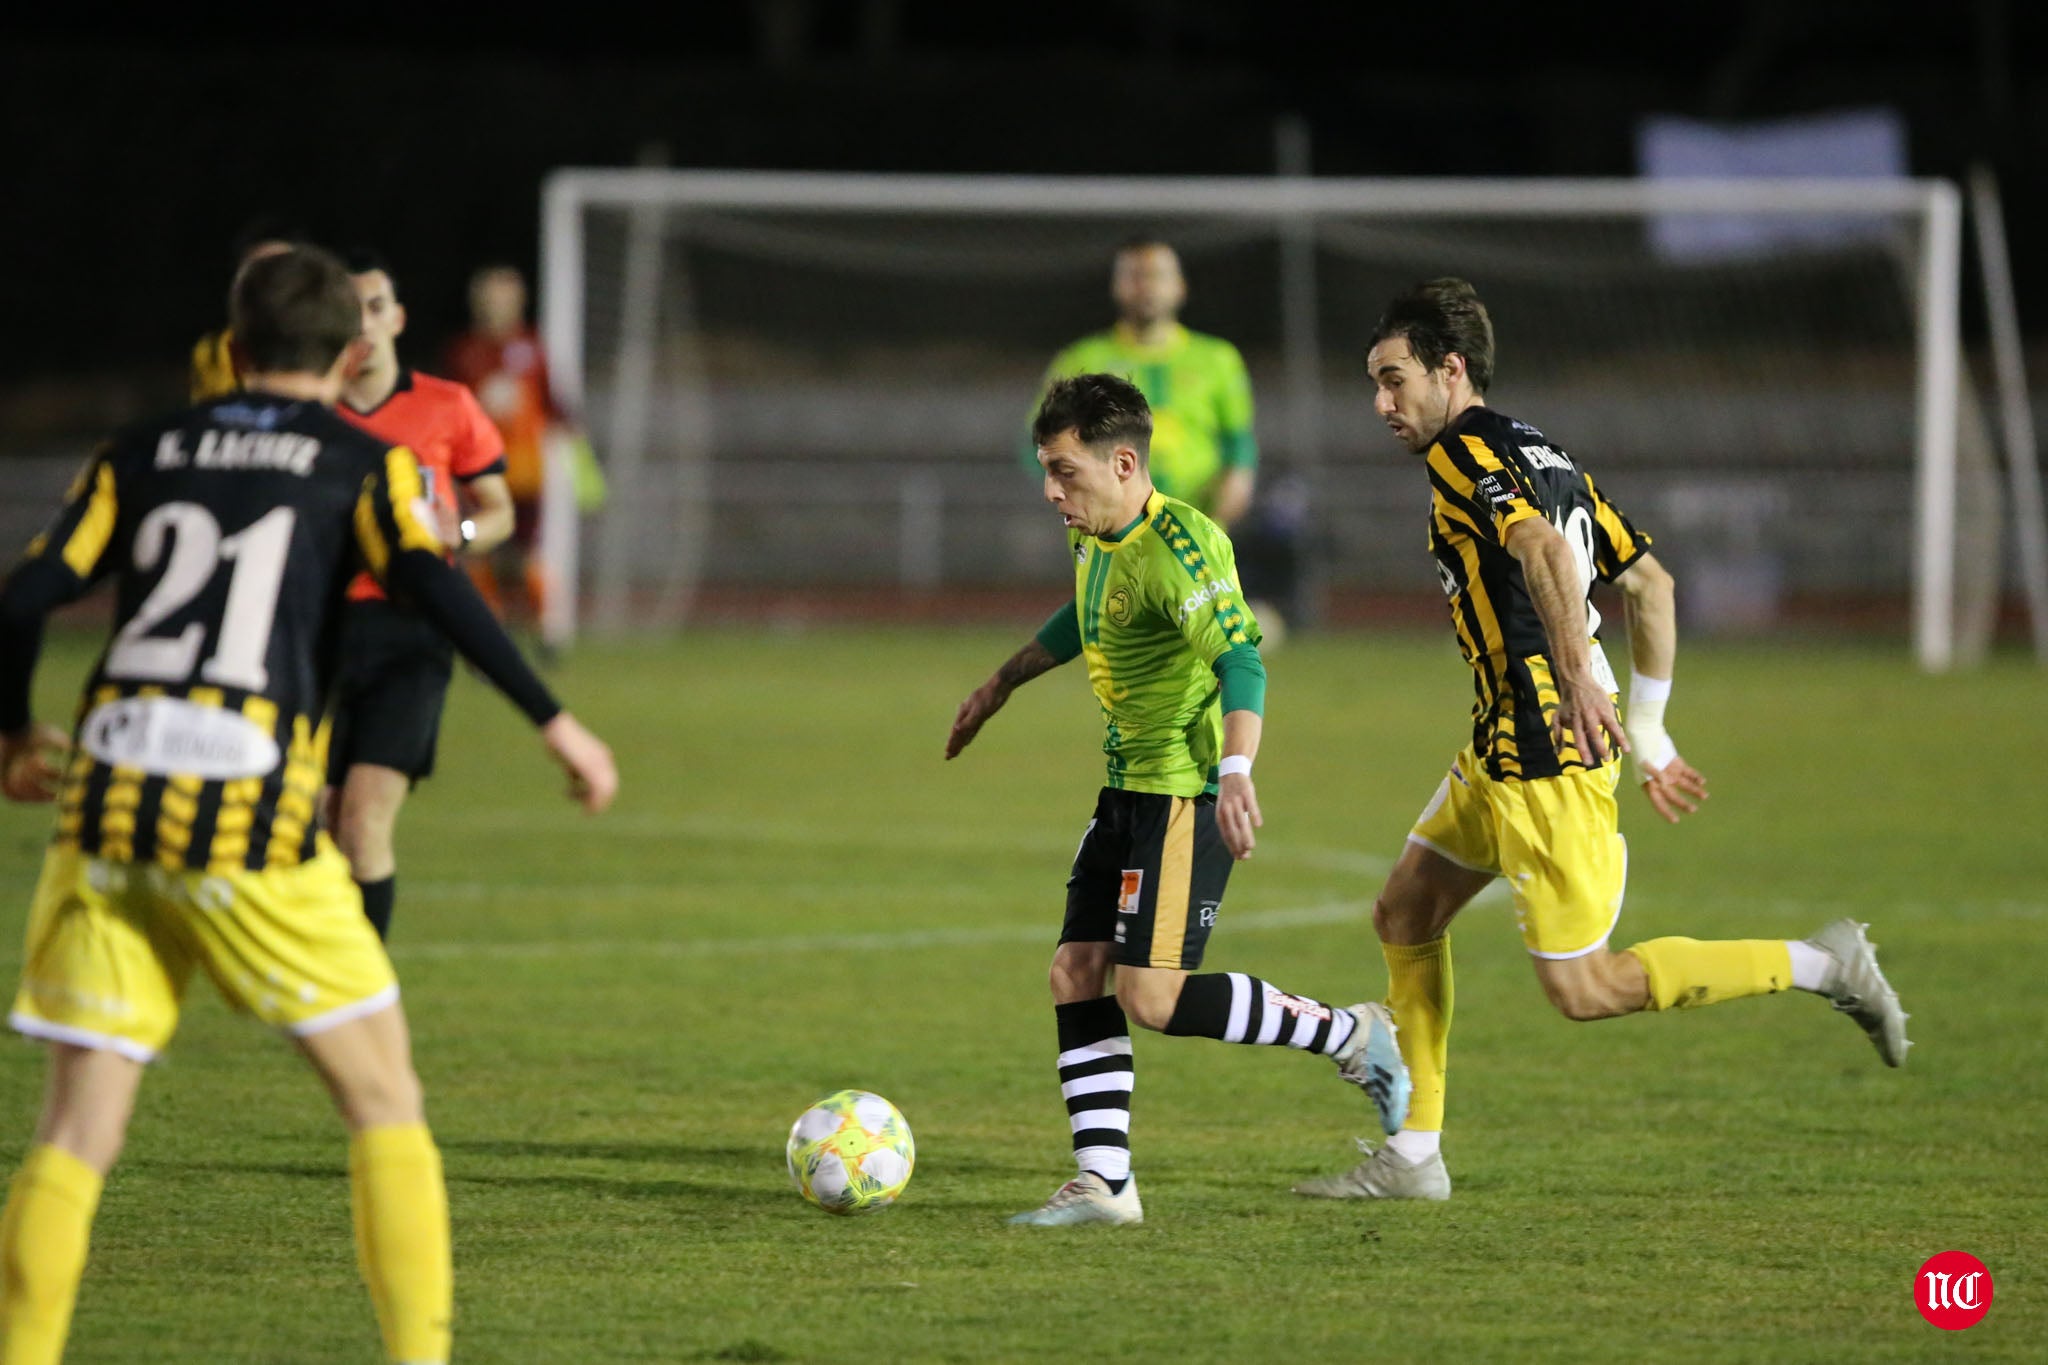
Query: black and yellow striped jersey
[1488,471]
[230,531]
[213,366]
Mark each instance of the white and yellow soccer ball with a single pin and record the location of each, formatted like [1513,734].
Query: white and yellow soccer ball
[851,1153]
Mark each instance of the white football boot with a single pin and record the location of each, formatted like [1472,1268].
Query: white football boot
[1384,1174]
[1085,1199]
[1858,989]
[1371,1060]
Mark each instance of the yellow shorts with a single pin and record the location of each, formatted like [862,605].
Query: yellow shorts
[111,946]
[1553,838]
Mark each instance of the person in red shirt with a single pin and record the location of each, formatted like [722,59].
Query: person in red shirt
[500,359]
[395,666]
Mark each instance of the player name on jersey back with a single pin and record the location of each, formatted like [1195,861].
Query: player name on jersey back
[1544,457]
[228,530]
[217,449]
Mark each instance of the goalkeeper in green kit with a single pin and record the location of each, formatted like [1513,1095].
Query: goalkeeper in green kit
[1173,658]
[1203,450]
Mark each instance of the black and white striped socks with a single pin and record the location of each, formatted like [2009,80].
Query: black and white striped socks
[1096,1070]
[1237,1008]
[1095,1080]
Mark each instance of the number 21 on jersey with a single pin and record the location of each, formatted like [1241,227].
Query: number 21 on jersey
[192,538]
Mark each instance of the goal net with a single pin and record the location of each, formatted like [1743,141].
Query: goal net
[819,384]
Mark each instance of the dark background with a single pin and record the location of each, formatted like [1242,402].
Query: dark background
[136,150]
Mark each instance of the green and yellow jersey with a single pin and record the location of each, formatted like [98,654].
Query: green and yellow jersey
[1156,610]
[1201,401]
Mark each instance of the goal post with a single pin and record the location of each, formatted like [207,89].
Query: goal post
[671,300]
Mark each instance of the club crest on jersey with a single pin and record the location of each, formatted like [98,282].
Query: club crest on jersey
[1118,607]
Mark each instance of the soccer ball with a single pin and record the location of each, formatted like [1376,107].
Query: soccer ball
[851,1153]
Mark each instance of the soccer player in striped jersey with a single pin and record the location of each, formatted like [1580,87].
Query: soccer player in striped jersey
[395,664]
[186,836]
[1519,533]
[1173,658]
[1203,450]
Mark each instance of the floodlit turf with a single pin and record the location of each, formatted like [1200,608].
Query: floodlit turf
[618,1019]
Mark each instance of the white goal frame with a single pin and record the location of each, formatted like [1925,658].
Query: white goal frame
[1284,200]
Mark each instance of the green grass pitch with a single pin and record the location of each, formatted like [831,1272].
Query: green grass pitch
[617,1020]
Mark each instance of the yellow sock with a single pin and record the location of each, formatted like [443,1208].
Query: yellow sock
[43,1237]
[1419,993]
[401,1208]
[1686,973]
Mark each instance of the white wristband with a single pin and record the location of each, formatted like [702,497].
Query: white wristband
[1645,723]
[1642,687]
[1234,764]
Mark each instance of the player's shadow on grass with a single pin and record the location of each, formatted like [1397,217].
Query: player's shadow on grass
[663,1188]
[965,1161]
[943,1202]
[667,1153]
[296,1170]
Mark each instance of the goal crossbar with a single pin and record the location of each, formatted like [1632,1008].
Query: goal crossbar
[1935,203]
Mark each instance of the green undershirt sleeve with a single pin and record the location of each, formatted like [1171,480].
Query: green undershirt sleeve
[1243,675]
[1239,449]
[1061,633]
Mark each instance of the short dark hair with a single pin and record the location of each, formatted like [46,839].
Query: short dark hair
[1439,317]
[1100,409]
[361,260]
[294,312]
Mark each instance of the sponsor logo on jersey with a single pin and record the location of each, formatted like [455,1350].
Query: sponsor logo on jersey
[1201,596]
[173,737]
[1498,488]
[238,414]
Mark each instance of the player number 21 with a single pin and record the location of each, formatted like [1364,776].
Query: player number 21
[196,548]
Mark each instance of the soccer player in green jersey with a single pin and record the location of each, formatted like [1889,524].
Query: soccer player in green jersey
[1203,452]
[1173,658]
